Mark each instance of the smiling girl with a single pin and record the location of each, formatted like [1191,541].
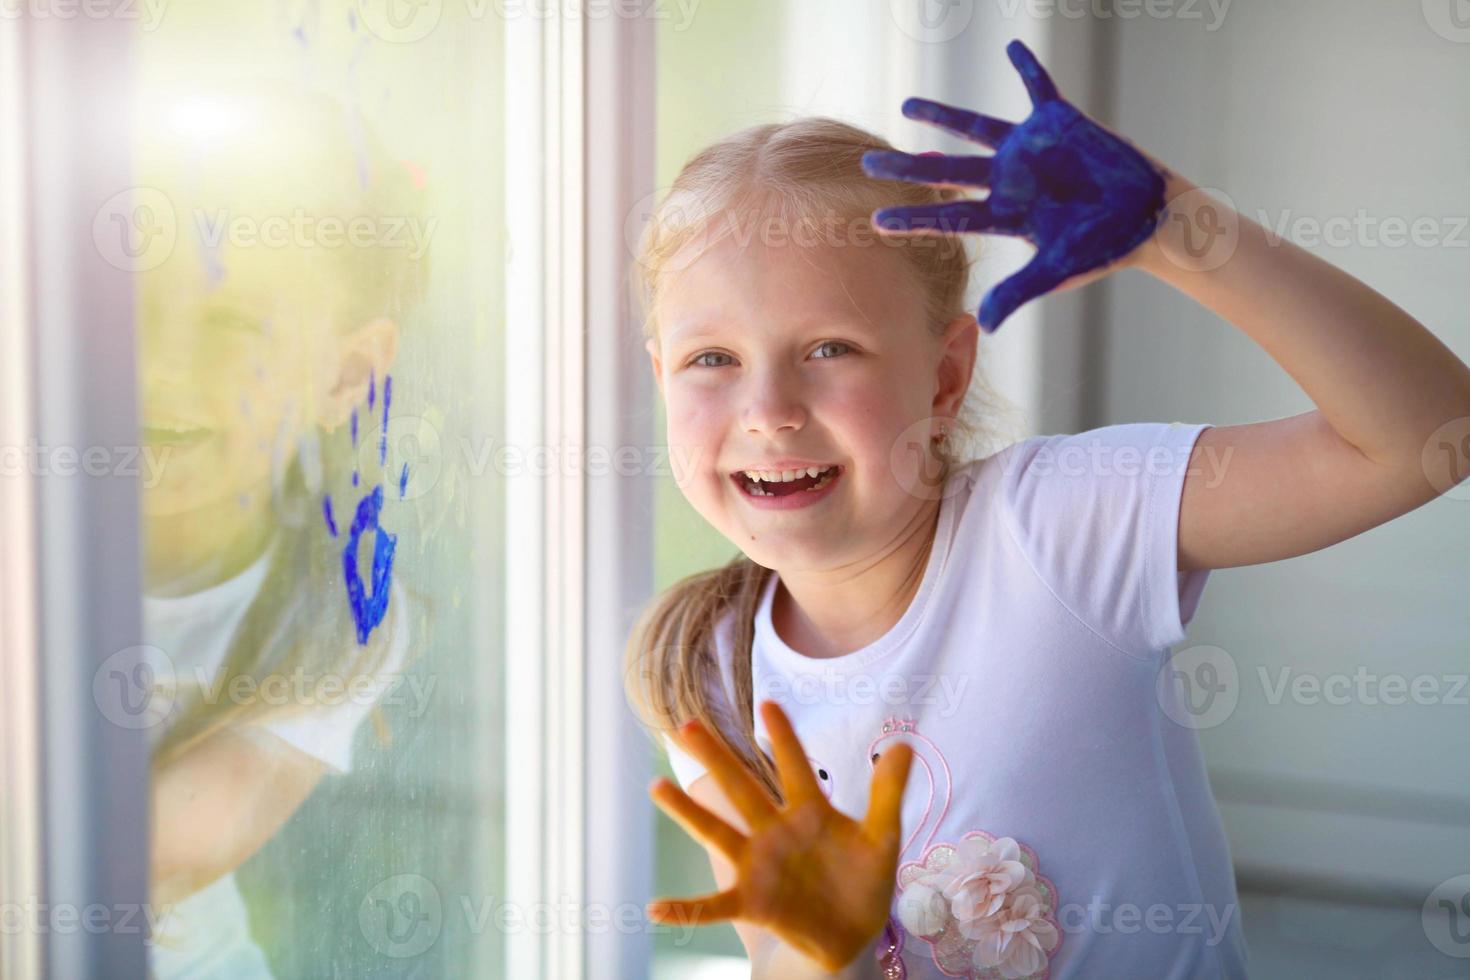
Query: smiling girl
[1027,826]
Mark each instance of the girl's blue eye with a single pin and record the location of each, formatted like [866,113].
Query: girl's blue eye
[709,353]
[826,344]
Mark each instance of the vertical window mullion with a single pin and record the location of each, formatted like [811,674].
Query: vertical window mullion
[566,377]
[76,320]
[526,507]
[544,409]
[20,661]
[621,482]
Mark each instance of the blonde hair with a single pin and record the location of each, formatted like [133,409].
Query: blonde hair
[798,173]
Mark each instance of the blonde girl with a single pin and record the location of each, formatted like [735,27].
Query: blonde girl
[968,765]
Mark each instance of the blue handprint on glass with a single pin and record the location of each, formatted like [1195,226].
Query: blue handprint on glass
[369,602]
[1084,197]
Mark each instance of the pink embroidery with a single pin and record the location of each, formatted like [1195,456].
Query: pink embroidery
[1016,924]
[926,754]
[981,904]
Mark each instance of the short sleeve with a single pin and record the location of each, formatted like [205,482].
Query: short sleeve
[686,768]
[327,733]
[1097,516]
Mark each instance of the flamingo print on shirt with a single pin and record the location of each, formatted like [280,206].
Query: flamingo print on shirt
[931,761]
[981,904]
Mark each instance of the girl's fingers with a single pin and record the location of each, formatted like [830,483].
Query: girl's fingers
[797,779]
[956,218]
[955,171]
[698,822]
[1039,276]
[885,798]
[962,122]
[715,907]
[1038,82]
[747,795]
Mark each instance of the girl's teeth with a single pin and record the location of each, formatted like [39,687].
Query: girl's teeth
[756,480]
[783,476]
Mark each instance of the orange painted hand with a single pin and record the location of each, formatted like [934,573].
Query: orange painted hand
[819,880]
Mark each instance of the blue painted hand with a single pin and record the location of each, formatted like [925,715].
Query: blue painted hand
[1084,197]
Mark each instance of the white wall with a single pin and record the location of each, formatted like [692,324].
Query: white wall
[1308,111]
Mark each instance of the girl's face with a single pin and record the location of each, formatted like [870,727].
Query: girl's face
[247,340]
[220,367]
[777,354]
[233,373]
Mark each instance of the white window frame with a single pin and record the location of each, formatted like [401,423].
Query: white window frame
[76,817]
[546,555]
[579,155]
[577,762]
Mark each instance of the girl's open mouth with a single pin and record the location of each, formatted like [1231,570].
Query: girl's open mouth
[789,488]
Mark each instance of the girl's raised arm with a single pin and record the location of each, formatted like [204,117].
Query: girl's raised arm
[1391,430]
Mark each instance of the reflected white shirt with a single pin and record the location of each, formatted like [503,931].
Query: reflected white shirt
[207,934]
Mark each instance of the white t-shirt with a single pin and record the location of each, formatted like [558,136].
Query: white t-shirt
[1025,673]
[194,633]
[207,934]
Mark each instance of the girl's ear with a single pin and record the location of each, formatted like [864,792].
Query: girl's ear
[956,364]
[363,354]
[658,367]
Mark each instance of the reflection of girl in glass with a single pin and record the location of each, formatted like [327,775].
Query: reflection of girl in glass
[267,337]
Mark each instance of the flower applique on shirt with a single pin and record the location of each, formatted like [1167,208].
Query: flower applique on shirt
[981,904]
[983,907]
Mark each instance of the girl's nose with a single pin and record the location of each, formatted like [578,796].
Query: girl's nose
[776,404]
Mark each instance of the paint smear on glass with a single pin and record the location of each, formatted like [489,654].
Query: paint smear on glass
[369,601]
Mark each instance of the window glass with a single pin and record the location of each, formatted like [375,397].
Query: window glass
[316,229]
